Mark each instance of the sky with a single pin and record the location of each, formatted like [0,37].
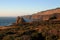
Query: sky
[14,8]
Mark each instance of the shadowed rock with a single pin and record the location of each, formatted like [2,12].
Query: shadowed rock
[19,20]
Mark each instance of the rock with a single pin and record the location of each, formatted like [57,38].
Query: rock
[19,20]
[45,15]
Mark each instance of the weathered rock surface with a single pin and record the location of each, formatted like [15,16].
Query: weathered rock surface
[19,20]
[45,15]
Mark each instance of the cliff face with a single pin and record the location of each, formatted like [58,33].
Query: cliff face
[45,15]
[49,12]
[40,16]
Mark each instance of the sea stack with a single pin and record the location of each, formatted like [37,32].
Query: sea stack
[19,20]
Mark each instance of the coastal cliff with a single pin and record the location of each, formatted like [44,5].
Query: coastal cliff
[44,26]
[45,15]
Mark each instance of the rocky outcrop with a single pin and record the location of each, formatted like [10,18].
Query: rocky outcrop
[53,14]
[45,15]
[49,12]
[19,20]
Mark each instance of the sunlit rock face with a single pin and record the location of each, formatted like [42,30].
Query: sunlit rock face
[45,15]
[40,16]
[49,12]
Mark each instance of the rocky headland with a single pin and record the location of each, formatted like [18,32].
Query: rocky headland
[43,25]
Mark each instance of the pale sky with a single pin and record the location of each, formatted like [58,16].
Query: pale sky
[25,7]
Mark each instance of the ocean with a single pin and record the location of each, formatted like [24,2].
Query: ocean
[6,21]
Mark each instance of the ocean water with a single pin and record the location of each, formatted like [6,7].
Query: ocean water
[5,21]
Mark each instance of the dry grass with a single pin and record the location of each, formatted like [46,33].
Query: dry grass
[31,32]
